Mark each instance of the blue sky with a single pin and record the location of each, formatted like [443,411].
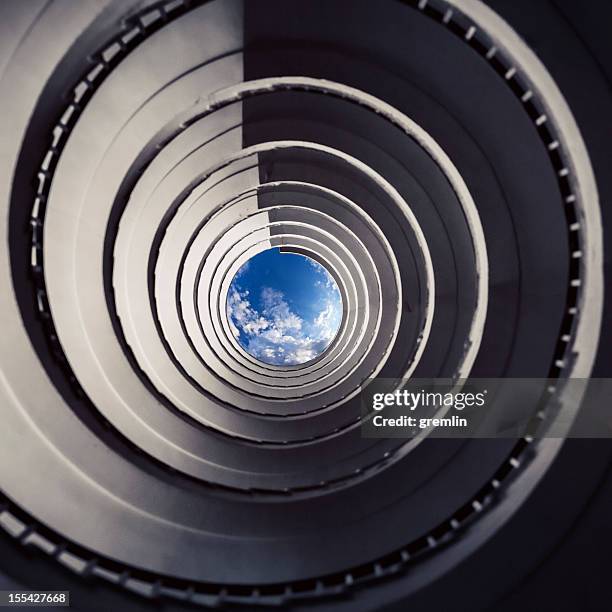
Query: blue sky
[283,308]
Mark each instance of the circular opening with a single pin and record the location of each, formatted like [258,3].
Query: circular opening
[283,308]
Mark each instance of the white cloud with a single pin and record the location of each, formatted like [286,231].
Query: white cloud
[327,321]
[277,335]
